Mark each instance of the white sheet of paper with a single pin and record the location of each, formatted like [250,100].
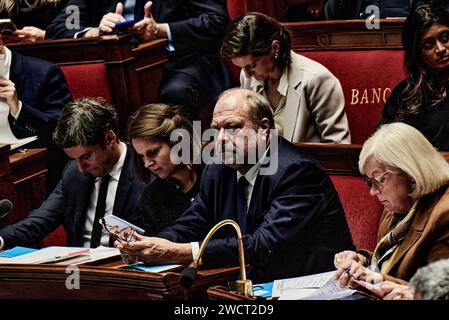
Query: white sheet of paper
[319,286]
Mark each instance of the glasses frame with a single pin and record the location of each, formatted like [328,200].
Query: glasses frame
[124,236]
[377,182]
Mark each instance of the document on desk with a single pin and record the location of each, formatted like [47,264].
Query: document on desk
[319,286]
[47,255]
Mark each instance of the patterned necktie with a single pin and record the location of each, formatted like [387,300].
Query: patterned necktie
[388,244]
[99,212]
[241,202]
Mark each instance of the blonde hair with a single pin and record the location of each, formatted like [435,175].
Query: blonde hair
[400,147]
[24,5]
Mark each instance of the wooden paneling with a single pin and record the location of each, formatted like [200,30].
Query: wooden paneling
[345,35]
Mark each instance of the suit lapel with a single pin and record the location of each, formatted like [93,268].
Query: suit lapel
[124,186]
[423,213]
[294,99]
[86,186]
[16,72]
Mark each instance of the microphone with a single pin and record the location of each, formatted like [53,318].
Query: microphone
[243,286]
[5,208]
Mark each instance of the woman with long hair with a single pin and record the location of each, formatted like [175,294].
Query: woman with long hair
[421,100]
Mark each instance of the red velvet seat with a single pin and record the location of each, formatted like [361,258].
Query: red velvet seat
[362,210]
[88,80]
[367,78]
[84,80]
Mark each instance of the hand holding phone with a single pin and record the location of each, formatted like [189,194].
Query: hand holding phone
[120,229]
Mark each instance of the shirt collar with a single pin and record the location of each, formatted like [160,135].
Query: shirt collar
[117,169]
[282,86]
[6,62]
[253,172]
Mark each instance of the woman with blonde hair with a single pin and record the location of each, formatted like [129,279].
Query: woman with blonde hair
[411,180]
[31,17]
[154,130]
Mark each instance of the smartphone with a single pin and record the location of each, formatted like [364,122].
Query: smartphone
[123,25]
[114,221]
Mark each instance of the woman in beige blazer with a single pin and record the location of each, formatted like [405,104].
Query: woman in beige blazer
[306,99]
[411,179]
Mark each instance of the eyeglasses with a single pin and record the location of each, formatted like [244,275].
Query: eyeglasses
[126,235]
[377,182]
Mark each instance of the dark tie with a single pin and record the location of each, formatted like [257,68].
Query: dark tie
[99,212]
[138,10]
[241,202]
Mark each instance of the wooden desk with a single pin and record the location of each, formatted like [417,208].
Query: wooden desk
[22,180]
[104,283]
[222,293]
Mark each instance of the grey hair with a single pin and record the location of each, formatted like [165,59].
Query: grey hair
[24,5]
[84,122]
[431,282]
[402,148]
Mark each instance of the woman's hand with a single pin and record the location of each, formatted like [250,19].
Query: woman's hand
[350,271]
[345,257]
[395,291]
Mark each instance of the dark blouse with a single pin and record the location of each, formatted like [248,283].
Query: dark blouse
[433,122]
[40,17]
[162,202]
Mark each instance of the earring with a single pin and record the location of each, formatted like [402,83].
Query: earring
[276,55]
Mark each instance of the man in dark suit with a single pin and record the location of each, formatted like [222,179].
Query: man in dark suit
[194,75]
[35,92]
[286,205]
[86,132]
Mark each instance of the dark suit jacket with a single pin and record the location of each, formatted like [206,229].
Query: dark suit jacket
[295,222]
[42,88]
[195,25]
[67,205]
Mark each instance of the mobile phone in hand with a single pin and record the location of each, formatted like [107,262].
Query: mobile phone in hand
[114,221]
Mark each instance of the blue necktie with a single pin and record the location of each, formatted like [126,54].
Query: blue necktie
[241,202]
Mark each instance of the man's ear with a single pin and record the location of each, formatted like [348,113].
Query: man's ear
[110,136]
[265,124]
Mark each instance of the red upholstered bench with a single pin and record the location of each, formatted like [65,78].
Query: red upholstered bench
[367,78]
[84,80]
[362,210]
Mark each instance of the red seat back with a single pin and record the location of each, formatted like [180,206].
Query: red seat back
[362,210]
[56,238]
[88,80]
[367,78]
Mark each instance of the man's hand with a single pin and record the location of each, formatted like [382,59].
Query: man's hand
[109,20]
[148,28]
[29,34]
[9,94]
[152,250]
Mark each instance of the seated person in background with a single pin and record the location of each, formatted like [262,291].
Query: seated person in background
[194,75]
[422,99]
[410,178]
[34,91]
[360,9]
[306,99]
[290,215]
[30,17]
[86,131]
[164,199]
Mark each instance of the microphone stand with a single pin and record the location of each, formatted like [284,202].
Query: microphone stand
[243,286]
